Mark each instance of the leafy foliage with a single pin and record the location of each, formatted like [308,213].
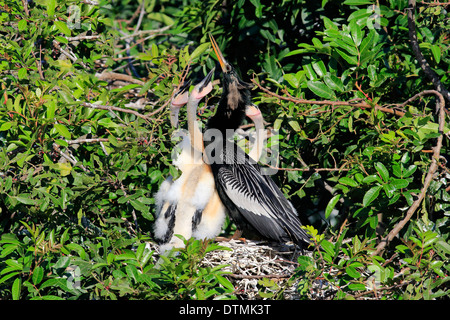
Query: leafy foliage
[85,145]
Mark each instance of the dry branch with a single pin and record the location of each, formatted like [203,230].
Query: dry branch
[119,76]
[111,108]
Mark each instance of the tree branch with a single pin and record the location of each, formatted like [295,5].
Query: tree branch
[362,105]
[111,108]
[431,75]
[105,75]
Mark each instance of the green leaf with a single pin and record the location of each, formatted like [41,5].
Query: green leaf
[199,50]
[352,272]
[51,5]
[358,2]
[291,79]
[295,125]
[353,60]
[408,172]
[22,74]
[319,68]
[334,82]
[51,297]
[382,171]
[161,17]
[436,50]
[62,130]
[61,39]
[328,247]
[320,89]
[108,123]
[348,181]
[9,275]
[25,198]
[5,126]
[371,195]
[225,282]
[64,168]
[409,198]
[38,274]
[15,289]
[356,32]
[139,206]
[389,189]
[357,286]
[132,272]
[62,27]
[331,204]
[349,47]
[400,183]
[22,25]
[370,179]
[444,246]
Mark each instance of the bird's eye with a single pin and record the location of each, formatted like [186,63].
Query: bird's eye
[229,68]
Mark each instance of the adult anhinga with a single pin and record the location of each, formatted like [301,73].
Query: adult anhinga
[253,200]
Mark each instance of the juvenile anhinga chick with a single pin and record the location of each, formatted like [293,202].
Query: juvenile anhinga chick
[189,206]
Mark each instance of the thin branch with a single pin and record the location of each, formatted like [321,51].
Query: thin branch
[25,7]
[83,140]
[306,169]
[362,105]
[119,76]
[83,37]
[111,108]
[432,169]
[259,276]
[142,32]
[395,286]
[68,54]
[141,15]
[69,157]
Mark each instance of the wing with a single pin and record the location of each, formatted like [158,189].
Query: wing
[260,202]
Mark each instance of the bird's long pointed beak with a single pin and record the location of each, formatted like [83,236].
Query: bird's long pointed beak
[206,80]
[204,87]
[179,99]
[183,88]
[222,61]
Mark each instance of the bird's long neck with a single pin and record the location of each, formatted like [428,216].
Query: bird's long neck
[256,151]
[193,125]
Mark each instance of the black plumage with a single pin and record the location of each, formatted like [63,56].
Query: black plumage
[252,199]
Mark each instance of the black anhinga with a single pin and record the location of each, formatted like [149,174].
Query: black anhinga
[253,200]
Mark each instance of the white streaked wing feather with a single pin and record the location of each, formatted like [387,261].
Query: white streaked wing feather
[243,187]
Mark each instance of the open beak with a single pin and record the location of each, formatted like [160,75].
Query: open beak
[206,80]
[252,111]
[203,88]
[222,61]
[179,99]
